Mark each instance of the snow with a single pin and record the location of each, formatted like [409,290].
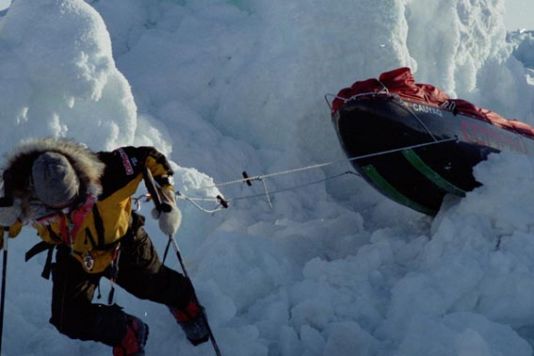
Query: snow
[226,86]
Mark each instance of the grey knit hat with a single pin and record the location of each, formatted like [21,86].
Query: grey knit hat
[54,180]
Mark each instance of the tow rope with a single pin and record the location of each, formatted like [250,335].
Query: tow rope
[223,203]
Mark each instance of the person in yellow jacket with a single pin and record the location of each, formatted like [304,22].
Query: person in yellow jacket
[81,202]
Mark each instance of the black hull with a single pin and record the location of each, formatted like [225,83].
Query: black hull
[419,177]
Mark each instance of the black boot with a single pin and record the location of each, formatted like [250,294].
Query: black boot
[133,342]
[193,321]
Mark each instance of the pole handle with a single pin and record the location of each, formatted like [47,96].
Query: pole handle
[6,238]
[6,202]
[151,187]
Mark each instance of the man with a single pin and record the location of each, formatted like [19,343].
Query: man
[81,202]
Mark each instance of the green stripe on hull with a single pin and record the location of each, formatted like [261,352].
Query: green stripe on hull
[391,192]
[431,174]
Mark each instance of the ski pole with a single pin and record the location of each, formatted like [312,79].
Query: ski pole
[3,296]
[164,207]
[210,333]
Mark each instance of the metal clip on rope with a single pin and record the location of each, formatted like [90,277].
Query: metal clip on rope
[249,180]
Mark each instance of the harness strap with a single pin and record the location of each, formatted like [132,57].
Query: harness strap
[114,272]
[37,249]
[99,225]
[47,268]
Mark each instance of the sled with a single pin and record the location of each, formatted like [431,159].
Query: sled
[430,142]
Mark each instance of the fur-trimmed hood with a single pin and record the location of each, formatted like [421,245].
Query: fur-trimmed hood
[17,170]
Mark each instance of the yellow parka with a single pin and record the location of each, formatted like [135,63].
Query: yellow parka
[103,215]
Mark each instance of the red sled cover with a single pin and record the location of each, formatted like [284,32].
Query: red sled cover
[401,82]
